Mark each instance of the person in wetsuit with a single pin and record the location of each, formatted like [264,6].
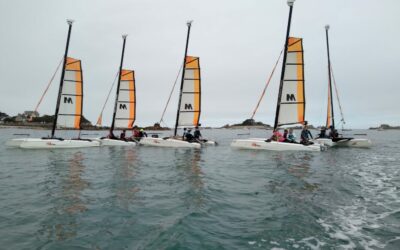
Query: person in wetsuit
[122,135]
[142,133]
[333,133]
[291,136]
[184,133]
[197,134]
[189,137]
[305,136]
[322,133]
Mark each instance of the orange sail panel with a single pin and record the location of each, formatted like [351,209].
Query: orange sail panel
[99,120]
[126,103]
[292,105]
[70,112]
[189,110]
[329,111]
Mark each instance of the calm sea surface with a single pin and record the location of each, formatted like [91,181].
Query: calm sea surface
[213,198]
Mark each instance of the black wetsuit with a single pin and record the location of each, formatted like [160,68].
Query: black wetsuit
[197,134]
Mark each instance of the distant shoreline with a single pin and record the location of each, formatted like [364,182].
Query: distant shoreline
[385,127]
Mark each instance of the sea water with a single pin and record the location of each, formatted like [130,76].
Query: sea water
[212,198]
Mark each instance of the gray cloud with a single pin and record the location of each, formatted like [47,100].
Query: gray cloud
[237,41]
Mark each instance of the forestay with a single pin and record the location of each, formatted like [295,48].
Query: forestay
[189,110]
[70,112]
[292,104]
[126,103]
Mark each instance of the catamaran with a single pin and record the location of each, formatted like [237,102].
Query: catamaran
[291,98]
[330,119]
[124,107]
[68,113]
[189,105]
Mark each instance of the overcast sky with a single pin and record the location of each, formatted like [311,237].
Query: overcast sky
[238,42]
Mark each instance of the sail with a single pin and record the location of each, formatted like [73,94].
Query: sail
[126,103]
[70,112]
[292,101]
[329,112]
[189,110]
[100,120]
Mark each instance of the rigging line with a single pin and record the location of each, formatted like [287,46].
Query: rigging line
[337,96]
[166,125]
[48,85]
[108,96]
[266,85]
[170,94]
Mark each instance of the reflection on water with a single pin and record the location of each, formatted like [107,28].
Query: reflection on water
[75,185]
[65,186]
[213,198]
[189,166]
[297,165]
[125,167]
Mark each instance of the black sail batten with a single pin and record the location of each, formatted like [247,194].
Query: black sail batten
[190,108]
[127,96]
[294,65]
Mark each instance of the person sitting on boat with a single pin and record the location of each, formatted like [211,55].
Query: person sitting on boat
[333,133]
[122,135]
[189,137]
[142,133]
[135,132]
[291,137]
[197,134]
[285,134]
[305,136]
[276,136]
[322,133]
[184,133]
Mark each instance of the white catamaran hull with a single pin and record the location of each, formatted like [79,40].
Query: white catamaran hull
[208,143]
[114,142]
[169,142]
[15,143]
[355,142]
[261,144]
[37,143]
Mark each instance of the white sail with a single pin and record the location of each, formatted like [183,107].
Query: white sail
[292,105]
[70,112]
[189,110]
[126,103]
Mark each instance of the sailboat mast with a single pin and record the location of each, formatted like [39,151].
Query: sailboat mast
[61,79]
[290,3]
[189,24]
[330,74]
[118,85]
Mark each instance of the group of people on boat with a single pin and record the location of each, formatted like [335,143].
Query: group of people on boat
[188,136]
[305,136]
[137,134]
[333,133]
[290,137]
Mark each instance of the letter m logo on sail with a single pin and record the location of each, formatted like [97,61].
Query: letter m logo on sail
[68,100]
[290,98]
[122,106]
[188,106]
